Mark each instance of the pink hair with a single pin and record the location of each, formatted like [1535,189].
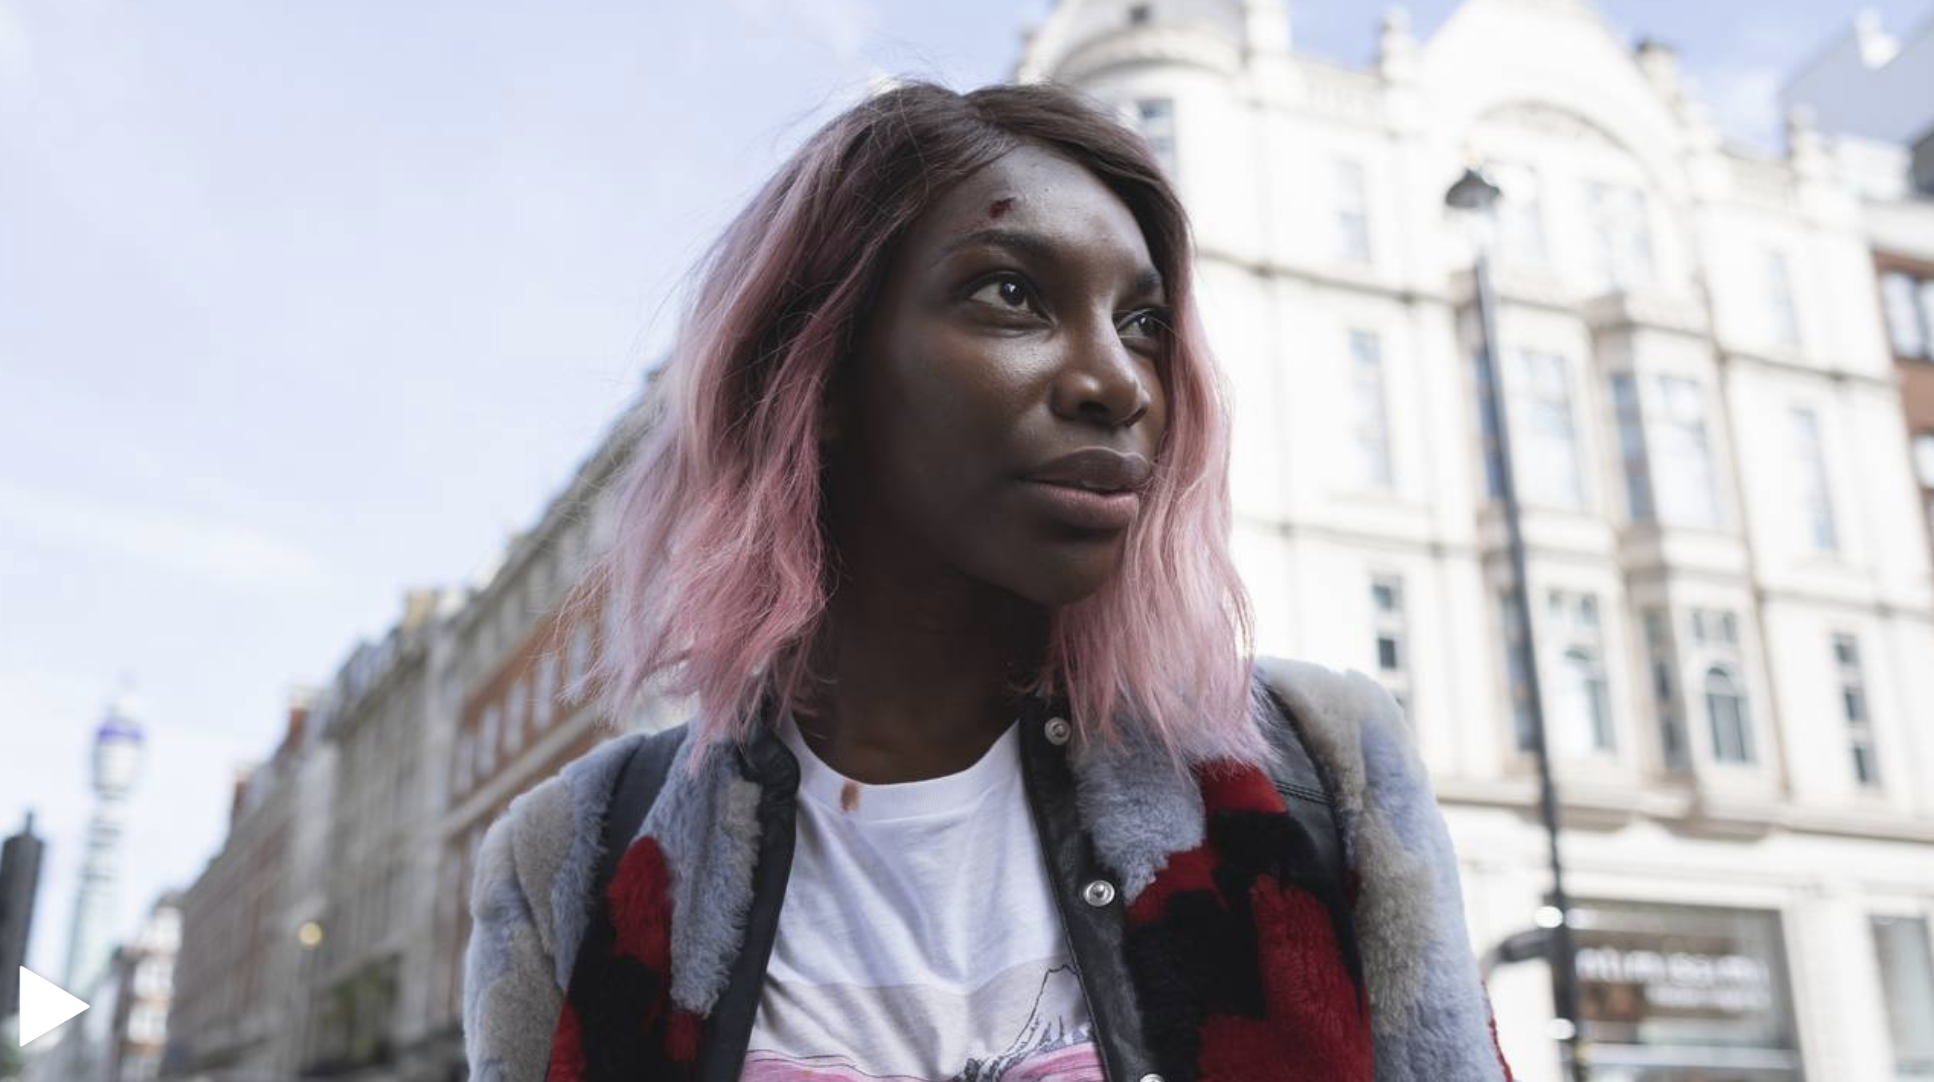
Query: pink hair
[720,563]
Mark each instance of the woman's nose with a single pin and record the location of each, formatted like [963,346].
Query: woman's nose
[1100,379]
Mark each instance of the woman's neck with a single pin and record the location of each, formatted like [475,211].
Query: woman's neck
[920,677]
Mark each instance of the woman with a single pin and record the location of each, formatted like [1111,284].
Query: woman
[931,520]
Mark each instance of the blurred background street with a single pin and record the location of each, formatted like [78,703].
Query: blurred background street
[320,328]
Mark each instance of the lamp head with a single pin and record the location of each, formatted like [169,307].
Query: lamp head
[1473,191]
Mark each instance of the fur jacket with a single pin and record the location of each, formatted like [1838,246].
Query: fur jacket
[1394,996]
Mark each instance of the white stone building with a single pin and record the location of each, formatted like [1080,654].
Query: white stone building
[372,954]
[511,671]
[1730,585]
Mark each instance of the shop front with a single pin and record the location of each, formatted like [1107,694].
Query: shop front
[1672,993]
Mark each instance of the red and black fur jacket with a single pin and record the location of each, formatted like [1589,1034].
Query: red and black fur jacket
[1244,944]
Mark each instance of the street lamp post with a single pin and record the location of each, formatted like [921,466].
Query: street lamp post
[1476,196]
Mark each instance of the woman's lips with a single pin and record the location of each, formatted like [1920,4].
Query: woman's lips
[1085,508]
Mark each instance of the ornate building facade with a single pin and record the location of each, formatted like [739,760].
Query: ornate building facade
[1729,580]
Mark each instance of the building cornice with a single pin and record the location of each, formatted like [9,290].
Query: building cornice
[1685,811]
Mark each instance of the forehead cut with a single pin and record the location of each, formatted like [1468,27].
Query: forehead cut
[1006,204]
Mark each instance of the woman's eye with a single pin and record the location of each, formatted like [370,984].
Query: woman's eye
[1146,323]
[1005,292]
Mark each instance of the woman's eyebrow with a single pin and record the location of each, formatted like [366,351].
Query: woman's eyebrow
[1032,245]
[1039,248]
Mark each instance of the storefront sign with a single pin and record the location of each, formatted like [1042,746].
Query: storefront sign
[1682,976]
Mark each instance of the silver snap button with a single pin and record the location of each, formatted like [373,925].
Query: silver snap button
[1098,893]
[1058,731]
[1152,1078]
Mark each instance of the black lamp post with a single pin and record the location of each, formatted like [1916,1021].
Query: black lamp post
[1476,196]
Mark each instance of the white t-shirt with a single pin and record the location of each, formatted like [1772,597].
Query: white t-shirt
[919,940]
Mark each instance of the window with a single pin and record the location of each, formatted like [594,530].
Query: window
[1853,704]
[1372,414]
[1715,650]
[153,978]
[1924,472]
[1546,458]
[1714,627]
[1910,318]
[608,619]
[1732,738]
[1156,118]
[1779,300]
[1688,493]
[1622,233]
[1580,710]
[148,1024]
[1631,448]
[463,768]
[1518,686]
[544,701]
[517,710]
[579,660]
[1393,653]
[1521,213]
[1664,669]
[1811,477]
[1924,294]
[1352,212]
[489,732]
[1580,714]
[1907,983]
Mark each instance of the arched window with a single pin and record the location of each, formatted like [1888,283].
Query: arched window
[1732,730]
[1582,715]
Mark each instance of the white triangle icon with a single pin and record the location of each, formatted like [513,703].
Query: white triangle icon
[43,1005]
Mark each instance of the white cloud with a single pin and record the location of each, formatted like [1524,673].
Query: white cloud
[225,553]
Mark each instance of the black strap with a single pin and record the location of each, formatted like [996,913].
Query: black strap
[633,792]
[632,796]
[1304,786]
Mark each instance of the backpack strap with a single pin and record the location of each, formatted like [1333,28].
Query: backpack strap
[1304,787]
[633,792]
[632,795]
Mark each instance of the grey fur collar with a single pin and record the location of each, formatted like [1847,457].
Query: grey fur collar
[706,824]
[1429,1016]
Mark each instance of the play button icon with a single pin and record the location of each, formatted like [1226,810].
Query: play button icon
[43,1005]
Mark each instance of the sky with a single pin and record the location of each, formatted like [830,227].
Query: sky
[305,304]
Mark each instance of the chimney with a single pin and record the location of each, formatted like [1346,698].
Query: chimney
[243,772]
[1660,62]
[300,700]
[419,608]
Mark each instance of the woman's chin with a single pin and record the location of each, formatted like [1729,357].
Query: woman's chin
[1055,583]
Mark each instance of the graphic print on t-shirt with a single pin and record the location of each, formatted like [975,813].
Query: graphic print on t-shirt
[1045,1047]
[919,939]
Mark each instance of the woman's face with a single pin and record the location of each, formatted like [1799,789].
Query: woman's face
[1021,320]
